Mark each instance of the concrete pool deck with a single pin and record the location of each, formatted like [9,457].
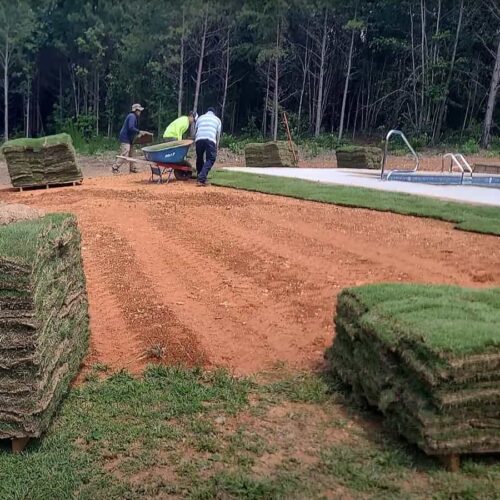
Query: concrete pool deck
[370,179]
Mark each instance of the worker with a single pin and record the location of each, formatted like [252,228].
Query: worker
[128,133]
[207,138]
[176,130]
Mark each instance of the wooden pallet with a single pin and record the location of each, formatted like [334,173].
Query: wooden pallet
[47,186]
[17,445]
[450,462]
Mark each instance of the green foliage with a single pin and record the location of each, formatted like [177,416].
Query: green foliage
[237,144]
[470,147]
[91,60]
[466,217]
[324,143]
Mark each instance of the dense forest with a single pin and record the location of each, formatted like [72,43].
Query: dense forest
[342,67]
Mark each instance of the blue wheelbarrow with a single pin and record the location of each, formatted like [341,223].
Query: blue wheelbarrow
[169,159]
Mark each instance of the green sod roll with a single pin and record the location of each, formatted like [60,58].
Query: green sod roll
[43,161]
[359,157]
[428,357]
[43,320]
[270,154]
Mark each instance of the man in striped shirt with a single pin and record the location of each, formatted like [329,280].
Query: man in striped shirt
[208,131]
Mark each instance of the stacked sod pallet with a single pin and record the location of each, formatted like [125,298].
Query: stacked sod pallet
[429,358]
[43,321]
[270,154]
[359,157]
[40,162]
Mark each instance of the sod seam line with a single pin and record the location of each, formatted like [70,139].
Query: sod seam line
[469,218]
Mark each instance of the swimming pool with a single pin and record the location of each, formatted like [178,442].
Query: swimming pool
[444,179]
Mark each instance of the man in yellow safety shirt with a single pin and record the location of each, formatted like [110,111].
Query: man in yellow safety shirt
[176,130]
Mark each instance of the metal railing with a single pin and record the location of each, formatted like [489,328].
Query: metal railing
[458,160]
[386,149]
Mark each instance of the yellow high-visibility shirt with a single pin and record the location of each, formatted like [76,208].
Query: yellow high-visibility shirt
[177,128]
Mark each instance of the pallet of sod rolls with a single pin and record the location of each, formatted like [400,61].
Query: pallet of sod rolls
[428,357]
[43,162]
[43,322]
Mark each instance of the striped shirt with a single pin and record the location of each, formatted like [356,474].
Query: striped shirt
[208,127]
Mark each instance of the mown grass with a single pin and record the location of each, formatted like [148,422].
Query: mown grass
[473,218]
[37,144]
[191,434]
[440,316]
[18,241]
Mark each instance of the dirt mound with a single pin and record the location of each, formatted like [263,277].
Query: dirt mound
[14,212]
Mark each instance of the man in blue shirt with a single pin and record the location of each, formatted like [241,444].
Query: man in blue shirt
[128,133]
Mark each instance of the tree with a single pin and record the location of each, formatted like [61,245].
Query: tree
[16,25]
[495,79]
[354,26]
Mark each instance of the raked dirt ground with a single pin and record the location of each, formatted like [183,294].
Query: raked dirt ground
[219,277]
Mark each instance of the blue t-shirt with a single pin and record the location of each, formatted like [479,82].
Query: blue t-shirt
[129,129]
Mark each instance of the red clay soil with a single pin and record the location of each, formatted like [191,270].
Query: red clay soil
[219,277]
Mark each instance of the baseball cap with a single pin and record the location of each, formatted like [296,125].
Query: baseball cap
[137,107]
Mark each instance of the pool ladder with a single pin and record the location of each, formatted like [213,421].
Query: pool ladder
[457,160]
[386,150]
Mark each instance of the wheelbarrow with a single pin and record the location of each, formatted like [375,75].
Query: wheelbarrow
[169,159]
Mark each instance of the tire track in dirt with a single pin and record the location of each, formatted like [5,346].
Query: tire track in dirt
[225,304]
[112,343]
[274,282]
[130,325]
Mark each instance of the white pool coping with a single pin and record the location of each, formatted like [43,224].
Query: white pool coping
[371,179]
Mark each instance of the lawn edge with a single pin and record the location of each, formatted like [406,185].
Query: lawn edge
[456,223]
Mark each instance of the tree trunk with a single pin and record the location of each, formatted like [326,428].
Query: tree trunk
[346,88]
[319,111]
[422,95]
[444,100]
[28,108]
[304,78]
[6,63]
[276,84]
[226,77]
[266,101]
[492,97]
[200,63]
[181,67]
[97,92]
[60,96]
[414,74]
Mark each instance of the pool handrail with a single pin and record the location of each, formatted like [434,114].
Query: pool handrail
[384,160]
[459,161]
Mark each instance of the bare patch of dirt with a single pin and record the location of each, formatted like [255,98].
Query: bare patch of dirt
[14,212]
[219,277]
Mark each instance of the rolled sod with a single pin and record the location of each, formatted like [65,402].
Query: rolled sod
[270,154]
[428,357]
[359,157]
[44,161]
[43,320]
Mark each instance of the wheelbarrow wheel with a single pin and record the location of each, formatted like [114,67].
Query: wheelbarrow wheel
[182,175]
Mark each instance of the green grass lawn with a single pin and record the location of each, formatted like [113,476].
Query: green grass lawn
[193,434]
[472,218]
